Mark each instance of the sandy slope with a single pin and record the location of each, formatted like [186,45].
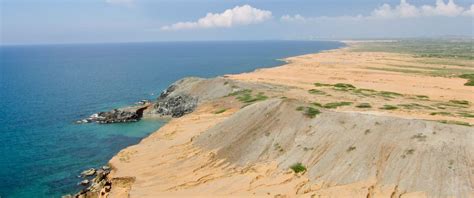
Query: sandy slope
[247,150]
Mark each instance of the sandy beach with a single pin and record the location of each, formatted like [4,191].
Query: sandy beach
[250,128]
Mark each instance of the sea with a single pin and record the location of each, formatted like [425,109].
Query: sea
[44,89]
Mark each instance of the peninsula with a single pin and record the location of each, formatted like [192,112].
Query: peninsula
[372,119]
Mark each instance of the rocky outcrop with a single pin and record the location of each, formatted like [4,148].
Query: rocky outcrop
[176,106]
[95,182]
[128,114]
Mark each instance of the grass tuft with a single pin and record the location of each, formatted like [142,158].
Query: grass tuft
[459,102]
[298,167]
[220,111]
[364,105]
[322,85]
[317,92]
[311,112]
[470,79]
[388,107]
[246,97]
[454,122]
[389,94]
[351,148]
[441,113]
[333,105]
[343,87]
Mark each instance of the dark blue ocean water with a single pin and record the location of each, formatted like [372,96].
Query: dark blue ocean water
[45,88]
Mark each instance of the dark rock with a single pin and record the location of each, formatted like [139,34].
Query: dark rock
[128,114]
[175,106]
[167,92]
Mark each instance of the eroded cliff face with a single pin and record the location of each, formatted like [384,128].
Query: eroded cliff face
[242,138]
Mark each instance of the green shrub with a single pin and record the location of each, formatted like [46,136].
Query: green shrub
[298,167]
[454,122]
[343,87]
[364,105]
[220,111]
[317,92]
[441,113]
[422,97]
[246,97]
[459,102]
[389,94]
[321,85]
[470,79]
[466,114]
[389,107]
[311,112]
[334,105]
[351,148]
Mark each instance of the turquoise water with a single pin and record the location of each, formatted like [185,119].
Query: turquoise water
[45,88]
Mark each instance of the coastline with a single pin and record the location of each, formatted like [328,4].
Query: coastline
[176,161]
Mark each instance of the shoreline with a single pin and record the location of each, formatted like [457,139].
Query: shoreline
[289,83]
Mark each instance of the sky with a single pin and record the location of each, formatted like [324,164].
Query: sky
[102,21]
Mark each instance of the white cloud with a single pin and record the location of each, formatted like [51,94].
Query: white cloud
[239,15]
[407,10]
[469,12]
[289,18]
[120,2]
[442,9]
[403,10]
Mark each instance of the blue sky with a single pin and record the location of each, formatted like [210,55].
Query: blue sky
[92,21]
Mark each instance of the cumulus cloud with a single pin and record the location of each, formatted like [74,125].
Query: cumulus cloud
[403,10]
[289,18]
[407,10]
[239,15]
[120,2]
[469,12]
[442,9]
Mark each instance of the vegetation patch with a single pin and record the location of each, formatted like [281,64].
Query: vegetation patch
[316,104]
[422,97]
[470,79]
[389,94]
[247,97]
[220,111]
[278,147]
[351,148]
[389,107]
[322,85]
[441,113]
[364,105]
[420,137]
[240,92]
[466,114]
[415,106]
[454,122]
[365,92]
[317,92]
[311,112]
[459,102]
[333,105]
[343,87]
[298,167]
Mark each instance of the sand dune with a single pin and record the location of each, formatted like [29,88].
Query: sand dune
[249,129]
